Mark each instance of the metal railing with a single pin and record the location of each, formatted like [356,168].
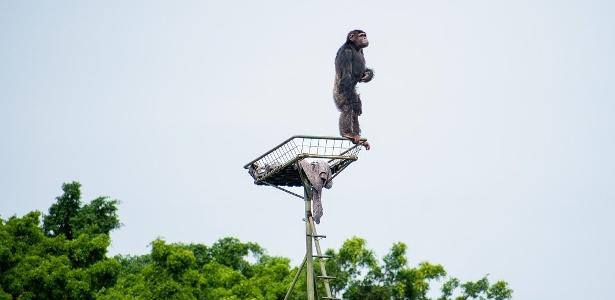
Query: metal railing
[339,151]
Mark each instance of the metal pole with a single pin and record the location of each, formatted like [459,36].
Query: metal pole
[308,248]
[309,258]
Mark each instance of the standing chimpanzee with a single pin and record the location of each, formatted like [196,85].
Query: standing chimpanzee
[349,70]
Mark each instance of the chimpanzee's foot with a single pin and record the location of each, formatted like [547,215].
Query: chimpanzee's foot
[366,145]
[354,138]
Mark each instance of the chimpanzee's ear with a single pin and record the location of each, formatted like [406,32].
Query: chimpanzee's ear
[351,36]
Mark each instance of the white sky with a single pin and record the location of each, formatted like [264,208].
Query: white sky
[491,124]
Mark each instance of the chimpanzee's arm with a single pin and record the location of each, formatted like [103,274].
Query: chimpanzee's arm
[368,75]
[344,64]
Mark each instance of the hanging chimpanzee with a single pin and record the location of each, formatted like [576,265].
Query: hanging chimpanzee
[349,70]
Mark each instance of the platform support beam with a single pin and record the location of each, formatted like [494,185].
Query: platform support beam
[311,240]
[309,258]
[292,285]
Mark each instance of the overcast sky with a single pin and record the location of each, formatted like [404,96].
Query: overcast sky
[491,124]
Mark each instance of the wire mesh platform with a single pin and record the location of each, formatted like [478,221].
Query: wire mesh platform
[278,166]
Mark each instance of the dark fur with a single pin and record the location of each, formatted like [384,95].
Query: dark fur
[349,69]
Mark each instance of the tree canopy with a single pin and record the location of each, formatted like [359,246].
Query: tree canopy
[68,217]
[65,257]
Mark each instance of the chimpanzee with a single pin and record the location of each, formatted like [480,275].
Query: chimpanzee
[349,70]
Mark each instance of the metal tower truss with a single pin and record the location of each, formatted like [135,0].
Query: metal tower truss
[279,168]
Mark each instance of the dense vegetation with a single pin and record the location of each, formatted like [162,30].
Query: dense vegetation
[65,257]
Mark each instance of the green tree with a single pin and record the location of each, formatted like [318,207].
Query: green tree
[35,266]
[360,276]
[63,259]
[61,214]
[66,258]
[98,216]
[69,218]
[196,271]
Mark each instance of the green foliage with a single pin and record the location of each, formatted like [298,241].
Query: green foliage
[66,258]
[99,216]
[63,259]
[230,252]
[361,276]
[479,289]
[35,266]
[62,213]
[69,218]
[222,271]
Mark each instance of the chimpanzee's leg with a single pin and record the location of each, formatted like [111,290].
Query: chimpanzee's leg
[346,121]
[356,130]
[357,110]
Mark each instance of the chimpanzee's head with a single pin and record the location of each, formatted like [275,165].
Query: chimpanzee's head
[358,38]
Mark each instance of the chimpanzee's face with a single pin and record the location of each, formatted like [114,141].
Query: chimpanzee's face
[360,39]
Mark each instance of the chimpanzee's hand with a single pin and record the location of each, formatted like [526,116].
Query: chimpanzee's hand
[367,76]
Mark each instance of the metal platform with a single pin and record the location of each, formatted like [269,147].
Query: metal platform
[277,167]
